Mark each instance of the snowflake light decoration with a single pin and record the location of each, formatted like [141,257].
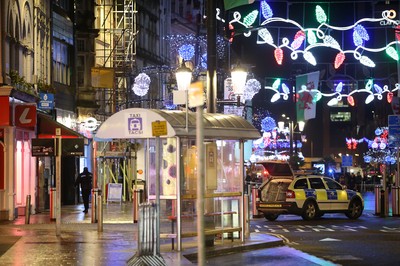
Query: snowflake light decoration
[251,88]
[186,51]
[141,85]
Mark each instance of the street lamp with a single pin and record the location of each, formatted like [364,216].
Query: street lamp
[239,76]
[183,78]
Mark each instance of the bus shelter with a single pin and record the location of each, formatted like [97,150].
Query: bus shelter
[224,141]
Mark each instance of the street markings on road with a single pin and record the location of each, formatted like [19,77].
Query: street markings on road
[390,229]
[310,228]
[329,239]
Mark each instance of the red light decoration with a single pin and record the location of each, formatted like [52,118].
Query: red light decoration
[340,57]
[278,53]
[350,100]
[351,144]
[232,32]
[389,97]
[397,31]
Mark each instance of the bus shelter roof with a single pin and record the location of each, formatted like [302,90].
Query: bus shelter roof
[137,123]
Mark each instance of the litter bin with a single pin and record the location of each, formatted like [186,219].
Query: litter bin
[52,194]
[95,192]
[396,201]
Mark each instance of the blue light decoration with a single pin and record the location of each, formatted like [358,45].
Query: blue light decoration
[186,51]
[268,124]
[360,35]
[266,10]
[203,61]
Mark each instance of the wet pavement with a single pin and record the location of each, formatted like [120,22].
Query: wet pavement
[80,243]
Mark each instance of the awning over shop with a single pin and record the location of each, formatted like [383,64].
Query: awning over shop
[46,128]
[137,123]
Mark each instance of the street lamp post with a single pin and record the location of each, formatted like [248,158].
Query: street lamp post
[183,78]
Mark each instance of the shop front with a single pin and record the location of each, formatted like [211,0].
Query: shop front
[224,137]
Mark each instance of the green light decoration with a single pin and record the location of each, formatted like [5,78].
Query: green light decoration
[369,84]
[250,18]
[320,14]
[317,97]
[276,84]
[311,39]
[390,51]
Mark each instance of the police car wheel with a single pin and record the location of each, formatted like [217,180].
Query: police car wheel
[271,216]
[310,210]
[355,209]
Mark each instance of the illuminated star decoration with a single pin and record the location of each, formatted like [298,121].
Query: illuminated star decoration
[141,85]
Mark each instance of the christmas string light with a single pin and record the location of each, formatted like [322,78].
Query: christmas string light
[374,91]
[360,35]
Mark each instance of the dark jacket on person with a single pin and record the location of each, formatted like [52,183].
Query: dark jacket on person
[85,179]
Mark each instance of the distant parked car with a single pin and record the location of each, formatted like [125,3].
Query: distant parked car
[309,196]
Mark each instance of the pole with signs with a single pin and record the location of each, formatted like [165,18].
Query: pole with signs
[58,181]
[158,129]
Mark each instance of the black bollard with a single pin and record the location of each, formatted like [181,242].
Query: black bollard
[383,211]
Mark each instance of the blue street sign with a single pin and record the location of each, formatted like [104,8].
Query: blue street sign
[394,130]
[46,101]
[347,160]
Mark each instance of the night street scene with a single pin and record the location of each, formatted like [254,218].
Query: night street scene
[199,132]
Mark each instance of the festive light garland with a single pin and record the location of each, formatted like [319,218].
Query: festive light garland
[360,35]
[373,90]
[379,150]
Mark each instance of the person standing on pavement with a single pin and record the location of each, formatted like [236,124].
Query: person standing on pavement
[85,180]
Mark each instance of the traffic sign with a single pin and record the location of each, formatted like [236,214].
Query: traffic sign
[347,160]
[159,128]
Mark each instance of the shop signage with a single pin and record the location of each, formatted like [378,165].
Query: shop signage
[73,147]
[43,147]
[25,115]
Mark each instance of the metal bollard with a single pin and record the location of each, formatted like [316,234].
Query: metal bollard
[53,194]
[246,216]
[383,209]
[99,214]
[28,209]
[378,208]
[396,201]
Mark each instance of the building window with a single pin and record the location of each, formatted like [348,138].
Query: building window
[80,44]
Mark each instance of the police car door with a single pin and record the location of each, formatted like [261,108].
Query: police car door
[337,195]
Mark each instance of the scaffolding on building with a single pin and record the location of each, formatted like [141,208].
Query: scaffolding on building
[115,50]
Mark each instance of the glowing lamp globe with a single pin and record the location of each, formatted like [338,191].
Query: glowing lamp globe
[239,76]
[183,77]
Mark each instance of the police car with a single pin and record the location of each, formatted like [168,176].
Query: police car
[309,196]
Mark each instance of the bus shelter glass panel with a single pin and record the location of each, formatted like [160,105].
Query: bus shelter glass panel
[223,191]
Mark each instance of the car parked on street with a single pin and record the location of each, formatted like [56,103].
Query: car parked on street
[310,196]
